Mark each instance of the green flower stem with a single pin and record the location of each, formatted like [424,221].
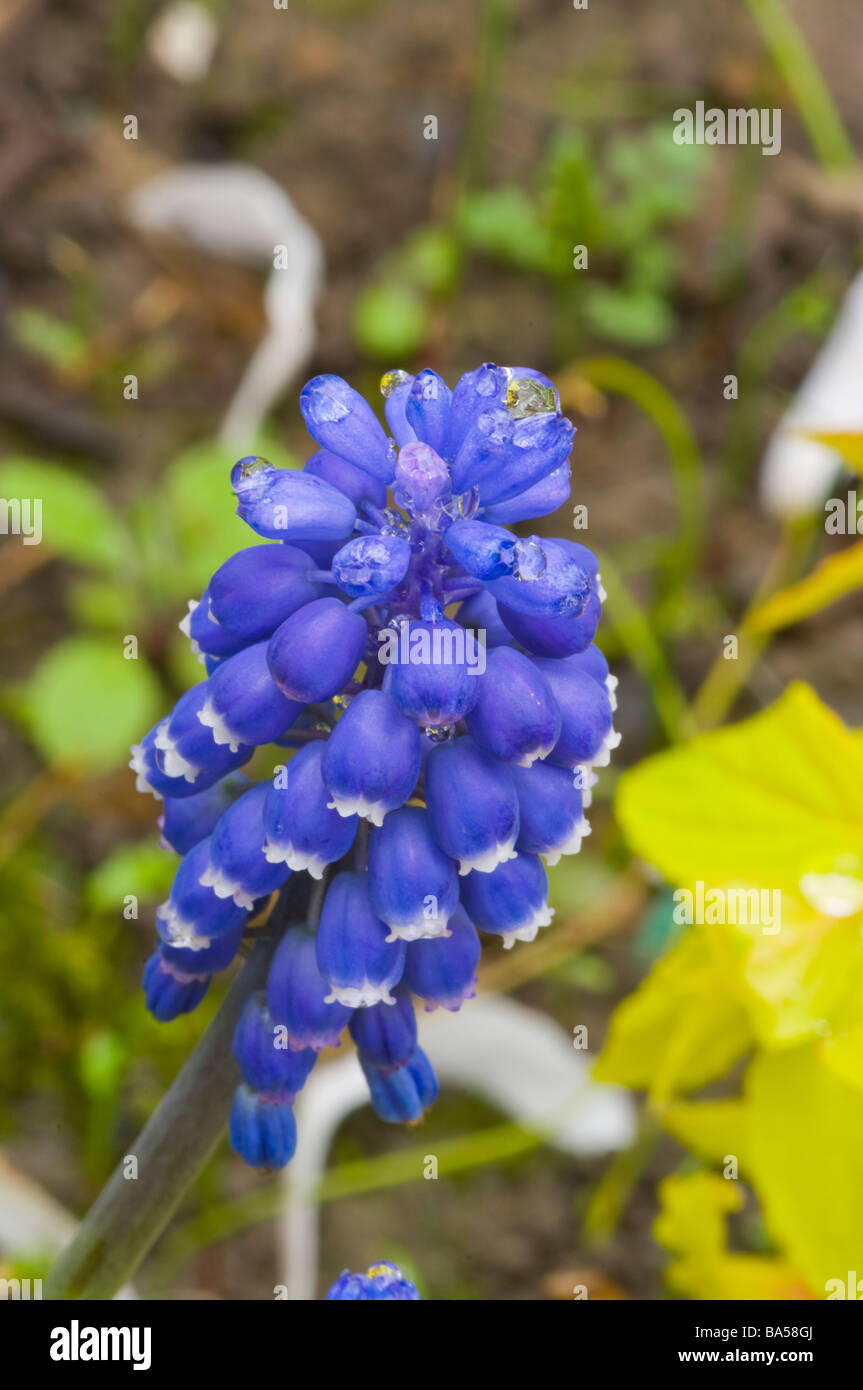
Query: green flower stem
[172,1148]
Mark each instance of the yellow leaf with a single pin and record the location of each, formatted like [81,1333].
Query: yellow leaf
[842,1054]
[694,1207]
[682,1027]
[692,1224]
[757,1276]
[832,579]
[846,443]
[761,802]
[804,1144]
[712,1129]
[807,980]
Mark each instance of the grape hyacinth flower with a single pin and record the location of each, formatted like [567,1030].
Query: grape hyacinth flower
[427,684]
[381,1283]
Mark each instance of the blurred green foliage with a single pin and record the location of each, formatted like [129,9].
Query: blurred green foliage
[74,1033]
[621,203]
[86,700]
[73,1027]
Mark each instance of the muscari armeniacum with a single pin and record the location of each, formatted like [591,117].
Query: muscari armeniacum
[433,681]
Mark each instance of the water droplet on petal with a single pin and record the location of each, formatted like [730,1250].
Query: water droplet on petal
[525,397]
[487,379]
[441,733]
[255,463]
[391,380]
[530,559]
[463,506]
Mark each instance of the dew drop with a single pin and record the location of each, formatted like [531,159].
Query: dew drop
[440,733]
[530,559]
[487,379]
[525,397]
[255,463]
[391,380]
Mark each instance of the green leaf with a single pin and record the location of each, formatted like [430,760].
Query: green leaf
[49,337]
[637,317]
[103,603]
[759,803]
[662,178]
[141,868]
[389,321]
[430,259]
[86,704]
[653,265]
[503,223]
[571,197]
[77,522]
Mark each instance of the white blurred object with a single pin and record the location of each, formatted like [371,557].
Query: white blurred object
[30,1218]
[32,1222]
[182,41]
[239,213]
[797,473]
[514,1057]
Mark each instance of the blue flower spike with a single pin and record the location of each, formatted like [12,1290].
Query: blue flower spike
[429,682]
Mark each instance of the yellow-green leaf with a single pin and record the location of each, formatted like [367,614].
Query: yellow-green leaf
[712,1129]
[805,1139]
[692,1224]
[694,1208]
[683,1026]
[831,580]
[842,1054]
[806,981]
[761,802]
